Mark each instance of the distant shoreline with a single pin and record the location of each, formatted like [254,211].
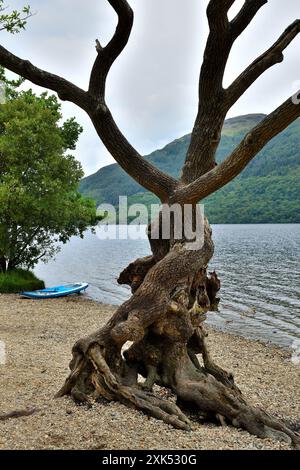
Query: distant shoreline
[250,223]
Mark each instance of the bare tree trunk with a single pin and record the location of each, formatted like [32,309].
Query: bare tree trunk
[163,320]
[3,264]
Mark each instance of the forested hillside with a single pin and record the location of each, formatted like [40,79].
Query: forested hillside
[267,191]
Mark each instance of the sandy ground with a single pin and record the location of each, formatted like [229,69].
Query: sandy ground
[38,338]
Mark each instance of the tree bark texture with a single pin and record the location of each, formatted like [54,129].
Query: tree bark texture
[164,324]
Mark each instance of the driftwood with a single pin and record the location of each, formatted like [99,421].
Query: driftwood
[17,414]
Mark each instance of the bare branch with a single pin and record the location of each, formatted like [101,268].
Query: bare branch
[129,159]
[272,56]
[217,13]
[253,142]
[18,414]
[211,107]
[93,102]
[217,48]
[245,16]
[214,101]
[107,55]
[65,89]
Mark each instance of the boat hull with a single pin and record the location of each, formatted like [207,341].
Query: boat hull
[56,292]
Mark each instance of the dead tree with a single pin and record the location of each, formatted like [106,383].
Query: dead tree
[171,290]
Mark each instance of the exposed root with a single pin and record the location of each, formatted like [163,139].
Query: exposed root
[76,367]
[172,295]
[222,419]
[211,395]
[198,345]
[108,386]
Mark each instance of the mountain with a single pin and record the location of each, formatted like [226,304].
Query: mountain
[267,191]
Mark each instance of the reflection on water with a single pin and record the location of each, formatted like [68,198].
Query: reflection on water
[258,266]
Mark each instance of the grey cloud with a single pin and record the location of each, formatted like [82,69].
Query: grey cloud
[152,88]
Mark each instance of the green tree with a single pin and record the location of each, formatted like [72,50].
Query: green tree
[14,21]
[39,202]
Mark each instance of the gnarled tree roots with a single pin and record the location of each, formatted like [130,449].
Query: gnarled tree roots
[163,321]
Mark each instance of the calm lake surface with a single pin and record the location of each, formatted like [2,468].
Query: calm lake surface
[259,267]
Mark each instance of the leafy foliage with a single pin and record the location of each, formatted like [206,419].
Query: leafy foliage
[39,202]
[19,280]
[264,199]
[14,21]
[267,191]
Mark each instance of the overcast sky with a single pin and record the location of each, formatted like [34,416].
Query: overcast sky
[152,88]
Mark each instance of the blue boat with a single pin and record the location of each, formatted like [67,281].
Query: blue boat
[58,291]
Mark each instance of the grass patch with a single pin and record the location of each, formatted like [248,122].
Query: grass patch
[19,280]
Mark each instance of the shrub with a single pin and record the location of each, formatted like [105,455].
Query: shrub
[19,280]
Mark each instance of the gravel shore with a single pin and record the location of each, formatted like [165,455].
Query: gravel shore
[39,336]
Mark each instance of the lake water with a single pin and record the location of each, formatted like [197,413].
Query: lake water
[259,267]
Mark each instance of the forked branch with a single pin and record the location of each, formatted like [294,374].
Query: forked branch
[65,89]
[217,49]
[214,100]
[211,114]
[128,158]
[214,103]
[107,55]
[217,13]
[253,142]
[93,102]
[220,40]
[245,16]
[272,56]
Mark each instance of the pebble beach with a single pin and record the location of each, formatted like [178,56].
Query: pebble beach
[38,337]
